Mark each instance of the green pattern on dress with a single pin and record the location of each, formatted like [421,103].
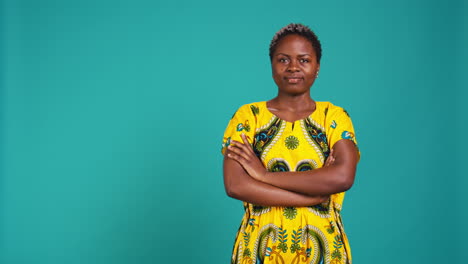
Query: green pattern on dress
[346,112]
[322,209]
[320,249]
[278,165]
[290,212]
[337,244]
[268,232]
[306,165]
[255,110]
[265,136]
[318,136]
[247,252]
[252,223]
[291,142]
[282,236]
[259,210]
[295,239]
[330,228]
[245,126]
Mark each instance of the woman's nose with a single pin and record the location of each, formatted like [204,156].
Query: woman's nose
[292,67]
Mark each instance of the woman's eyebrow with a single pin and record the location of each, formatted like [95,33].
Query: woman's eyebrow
[300,55]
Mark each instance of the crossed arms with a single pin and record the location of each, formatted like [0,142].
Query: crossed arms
[246,179]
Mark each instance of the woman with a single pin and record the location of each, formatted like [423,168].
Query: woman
[290,159]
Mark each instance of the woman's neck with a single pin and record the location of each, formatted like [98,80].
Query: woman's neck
[292,103]
[291,108]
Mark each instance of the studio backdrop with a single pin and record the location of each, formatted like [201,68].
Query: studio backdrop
[113,112]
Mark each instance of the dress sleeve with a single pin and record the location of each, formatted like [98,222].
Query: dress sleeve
[243,121]
[340,127]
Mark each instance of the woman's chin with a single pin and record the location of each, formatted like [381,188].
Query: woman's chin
[294,90]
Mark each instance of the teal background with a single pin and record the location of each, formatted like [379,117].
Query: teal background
[113,112]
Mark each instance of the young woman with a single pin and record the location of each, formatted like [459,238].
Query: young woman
[290,160]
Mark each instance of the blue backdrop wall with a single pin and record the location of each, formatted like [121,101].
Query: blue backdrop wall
[112,116]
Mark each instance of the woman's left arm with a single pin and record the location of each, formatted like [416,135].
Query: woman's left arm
[334,178]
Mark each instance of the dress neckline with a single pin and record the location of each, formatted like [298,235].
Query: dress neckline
[292,122]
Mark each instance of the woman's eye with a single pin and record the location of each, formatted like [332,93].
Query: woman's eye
[304,60]
[283,60]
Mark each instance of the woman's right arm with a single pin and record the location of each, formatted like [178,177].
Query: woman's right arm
[239,185]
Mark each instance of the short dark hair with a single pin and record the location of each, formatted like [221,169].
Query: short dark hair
[297,29]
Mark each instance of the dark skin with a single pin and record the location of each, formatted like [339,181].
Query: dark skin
[294,69]
[294,66]
[239,184]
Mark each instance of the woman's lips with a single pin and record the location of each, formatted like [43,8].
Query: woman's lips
[293,80]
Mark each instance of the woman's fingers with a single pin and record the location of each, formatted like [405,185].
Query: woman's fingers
[245,156]
[237,158]
[242,152]
[246,143]
[244,147]
[236,155]
[238,150]
[330,159]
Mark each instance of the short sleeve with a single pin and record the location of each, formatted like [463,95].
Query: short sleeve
[242,122]
[339,127]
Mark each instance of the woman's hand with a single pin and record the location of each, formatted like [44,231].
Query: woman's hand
[244,154]
[330,160]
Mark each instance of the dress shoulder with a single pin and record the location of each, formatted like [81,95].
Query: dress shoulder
[337,122]
[244,121]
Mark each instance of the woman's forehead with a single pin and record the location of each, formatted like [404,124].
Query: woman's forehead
[295,44]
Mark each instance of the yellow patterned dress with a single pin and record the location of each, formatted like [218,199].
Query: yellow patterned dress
[312,234]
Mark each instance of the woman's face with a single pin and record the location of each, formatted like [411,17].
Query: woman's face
[294,65]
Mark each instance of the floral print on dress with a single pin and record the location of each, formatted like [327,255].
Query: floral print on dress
[299,235]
